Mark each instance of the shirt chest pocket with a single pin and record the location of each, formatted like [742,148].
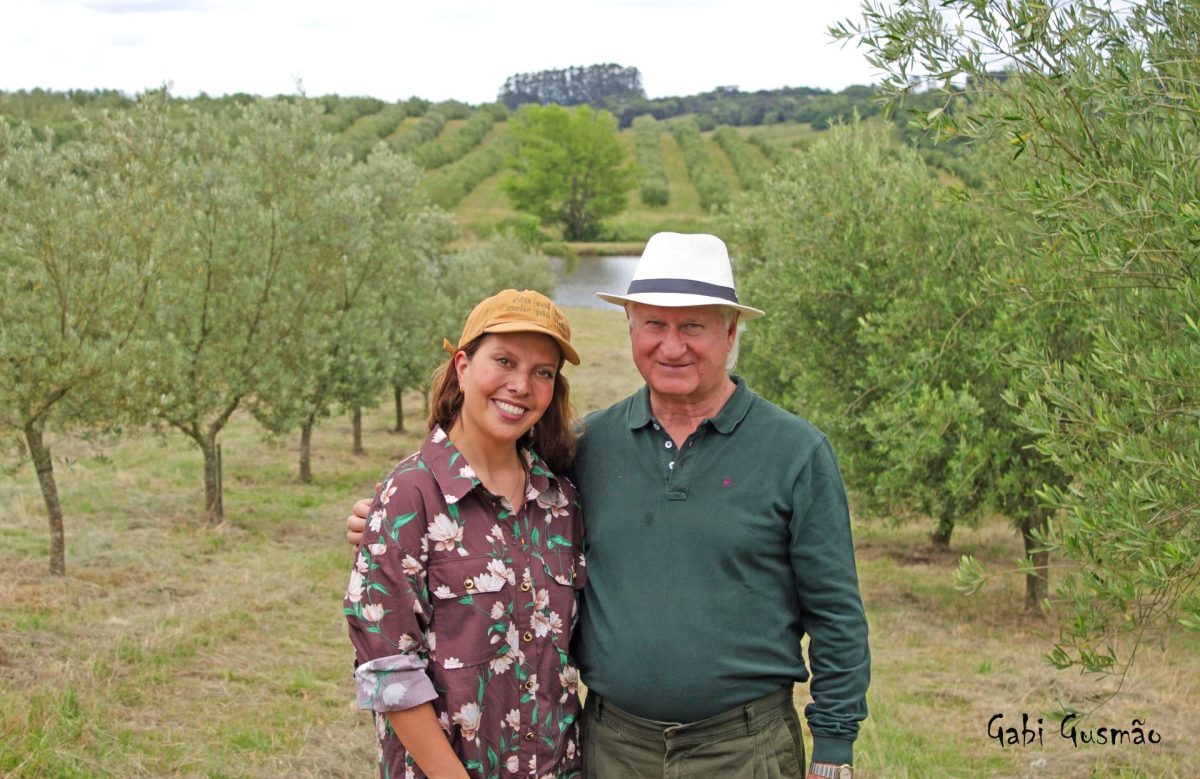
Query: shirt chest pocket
[564,578]
[472,601]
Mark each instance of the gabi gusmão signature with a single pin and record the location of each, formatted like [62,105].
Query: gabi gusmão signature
[1032,732]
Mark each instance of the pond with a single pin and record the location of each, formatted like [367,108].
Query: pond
[591,274]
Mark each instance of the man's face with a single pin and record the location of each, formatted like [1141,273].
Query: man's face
[681,352]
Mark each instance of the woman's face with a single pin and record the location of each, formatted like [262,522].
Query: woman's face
[507,385]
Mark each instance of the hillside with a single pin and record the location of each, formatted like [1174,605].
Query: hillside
[463,148]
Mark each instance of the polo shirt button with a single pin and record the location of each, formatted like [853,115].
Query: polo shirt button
[669,444]
[525,586]
[467,583]
[528,636]
[529,685]
[656,427]
[529,736]
[671,465]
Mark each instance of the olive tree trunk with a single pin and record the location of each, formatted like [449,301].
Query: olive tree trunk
[45,474]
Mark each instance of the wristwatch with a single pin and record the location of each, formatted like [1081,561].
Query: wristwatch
[831,771]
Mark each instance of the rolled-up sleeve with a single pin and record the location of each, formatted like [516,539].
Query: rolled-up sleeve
[387,604]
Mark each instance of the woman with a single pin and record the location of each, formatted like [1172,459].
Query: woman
[462,600]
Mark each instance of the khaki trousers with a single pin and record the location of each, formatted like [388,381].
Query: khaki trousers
[759,740]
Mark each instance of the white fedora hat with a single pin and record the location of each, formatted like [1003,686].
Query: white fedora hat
[683,270]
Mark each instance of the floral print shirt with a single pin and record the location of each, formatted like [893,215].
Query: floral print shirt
[459,599]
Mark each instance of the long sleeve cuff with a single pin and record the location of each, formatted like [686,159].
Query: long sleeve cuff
[832,750]
[393,683]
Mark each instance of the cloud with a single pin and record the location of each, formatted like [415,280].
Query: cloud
[147,6]
[665,4]
[126,40]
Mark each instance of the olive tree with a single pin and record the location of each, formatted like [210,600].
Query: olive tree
[883,338]
[253,193]
[82,243]
[1098,103]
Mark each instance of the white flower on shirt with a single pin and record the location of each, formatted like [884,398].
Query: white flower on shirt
[411,566]
[444,532]
[497,612]
[439,435]
[377,550]
[393,693]
[376,520]
[545,623]
[488,582]
[373,612]
[541,599]
[467,472]
[501,664]
[513,764]
[443,592]
[452,662]
[569,679]
[498,568]
[513,719]
[467,718]
[355,591]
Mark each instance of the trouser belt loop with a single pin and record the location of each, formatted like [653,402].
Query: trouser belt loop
[749,711]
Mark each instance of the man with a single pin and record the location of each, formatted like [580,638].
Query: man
[718,535]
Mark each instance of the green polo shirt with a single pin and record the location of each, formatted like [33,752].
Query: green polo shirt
[708,562]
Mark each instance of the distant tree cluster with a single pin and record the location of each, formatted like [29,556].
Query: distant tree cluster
[449,184]
[711,185]
[653,186]
[436,153]
[749,168]
[572,86]
[729,105]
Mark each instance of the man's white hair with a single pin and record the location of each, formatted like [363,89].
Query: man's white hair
[728,315]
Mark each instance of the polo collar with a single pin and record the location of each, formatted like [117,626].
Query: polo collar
[456,478]
[725,421]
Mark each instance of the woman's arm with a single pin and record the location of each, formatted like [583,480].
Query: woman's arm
[423,738]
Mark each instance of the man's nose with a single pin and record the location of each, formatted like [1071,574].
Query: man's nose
[672,343]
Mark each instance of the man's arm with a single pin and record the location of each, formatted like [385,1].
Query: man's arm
[822,552]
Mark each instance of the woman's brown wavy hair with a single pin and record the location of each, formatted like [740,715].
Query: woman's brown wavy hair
[553,437]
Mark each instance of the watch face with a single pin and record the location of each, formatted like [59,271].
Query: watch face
[845,772]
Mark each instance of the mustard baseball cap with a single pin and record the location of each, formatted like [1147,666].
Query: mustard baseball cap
[512,311]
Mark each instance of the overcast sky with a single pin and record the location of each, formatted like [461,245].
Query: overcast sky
[438,49]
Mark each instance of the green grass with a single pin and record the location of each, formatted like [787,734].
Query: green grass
[175,649]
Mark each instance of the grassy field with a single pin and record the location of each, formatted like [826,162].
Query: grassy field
[173,649]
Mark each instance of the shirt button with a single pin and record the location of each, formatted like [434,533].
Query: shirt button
[669,444]
[529,685]
[470,585]
[671,465]
[529,736]
[526,586]
[656,427]
[528,636]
